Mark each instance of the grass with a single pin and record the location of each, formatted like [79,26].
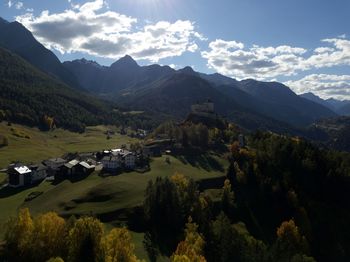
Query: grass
[109,198]
[32,145]
[96,195]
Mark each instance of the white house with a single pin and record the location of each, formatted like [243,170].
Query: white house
[19,175]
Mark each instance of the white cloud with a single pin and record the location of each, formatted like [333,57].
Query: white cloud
[19,5]
[9,4]
[92,29]
[323,85]
[234,59]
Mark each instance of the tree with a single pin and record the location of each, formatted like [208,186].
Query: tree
[49,236]
[85,240]
[118,246]
[18,236]
[191,249]
[289,241]
[227,198]
[55,259]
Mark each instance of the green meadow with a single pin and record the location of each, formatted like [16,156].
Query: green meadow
[27,144]
[110,198]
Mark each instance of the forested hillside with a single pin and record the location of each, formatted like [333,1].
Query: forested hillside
[31,97]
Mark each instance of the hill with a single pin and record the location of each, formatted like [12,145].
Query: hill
[27,95]
[333,132]
[19,40]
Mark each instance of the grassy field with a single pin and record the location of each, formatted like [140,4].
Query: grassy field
[112,195]
[31,145]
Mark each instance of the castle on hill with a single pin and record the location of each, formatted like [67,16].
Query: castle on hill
[204,108]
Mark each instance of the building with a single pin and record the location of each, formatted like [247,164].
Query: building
[70,167]
[241,140]
[85,168]
[111,162]
[39,173]
[206,107]
[54,165]
[19,175]
[129,160]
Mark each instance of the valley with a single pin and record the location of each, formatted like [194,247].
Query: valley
[133,158]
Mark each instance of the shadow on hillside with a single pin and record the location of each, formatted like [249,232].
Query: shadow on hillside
[199,159]
[10,191]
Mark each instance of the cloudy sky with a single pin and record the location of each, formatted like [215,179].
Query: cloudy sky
[304,44]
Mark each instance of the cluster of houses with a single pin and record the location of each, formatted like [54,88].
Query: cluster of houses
[23,175]
[78,165]
[73,165]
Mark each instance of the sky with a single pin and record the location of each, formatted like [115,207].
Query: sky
[304,44]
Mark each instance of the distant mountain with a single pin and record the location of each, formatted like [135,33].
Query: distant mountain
[218,79]
[284,103]
[27,95]
[174,95]
[312,97]
[16,38]
[126,77]
[341,107]
[121,75]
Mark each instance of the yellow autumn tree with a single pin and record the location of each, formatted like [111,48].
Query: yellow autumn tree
[85,240]
[290,241]
[227,198]
[55,259]
[191,249]
[118,246]
[49,236]
[18,235]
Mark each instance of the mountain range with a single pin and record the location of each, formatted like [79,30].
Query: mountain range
[164,91]
[341,107]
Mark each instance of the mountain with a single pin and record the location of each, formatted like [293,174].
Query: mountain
[284,103]
[27,95]
[218,79]
[312,97]
[174,95]
[126,77]
[341,107]
[123,74]
[16,38]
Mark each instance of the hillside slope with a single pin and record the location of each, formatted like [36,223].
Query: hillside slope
[19,40]
[27,95]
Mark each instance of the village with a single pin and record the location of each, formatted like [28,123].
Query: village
[80,165]
[113,161]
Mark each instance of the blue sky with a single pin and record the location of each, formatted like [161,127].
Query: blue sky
[305,44]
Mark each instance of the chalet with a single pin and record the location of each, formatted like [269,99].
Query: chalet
[70,167]
[129,160]
[85,168]
[39,173]
[54,165]
[111,162]
[19,175]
